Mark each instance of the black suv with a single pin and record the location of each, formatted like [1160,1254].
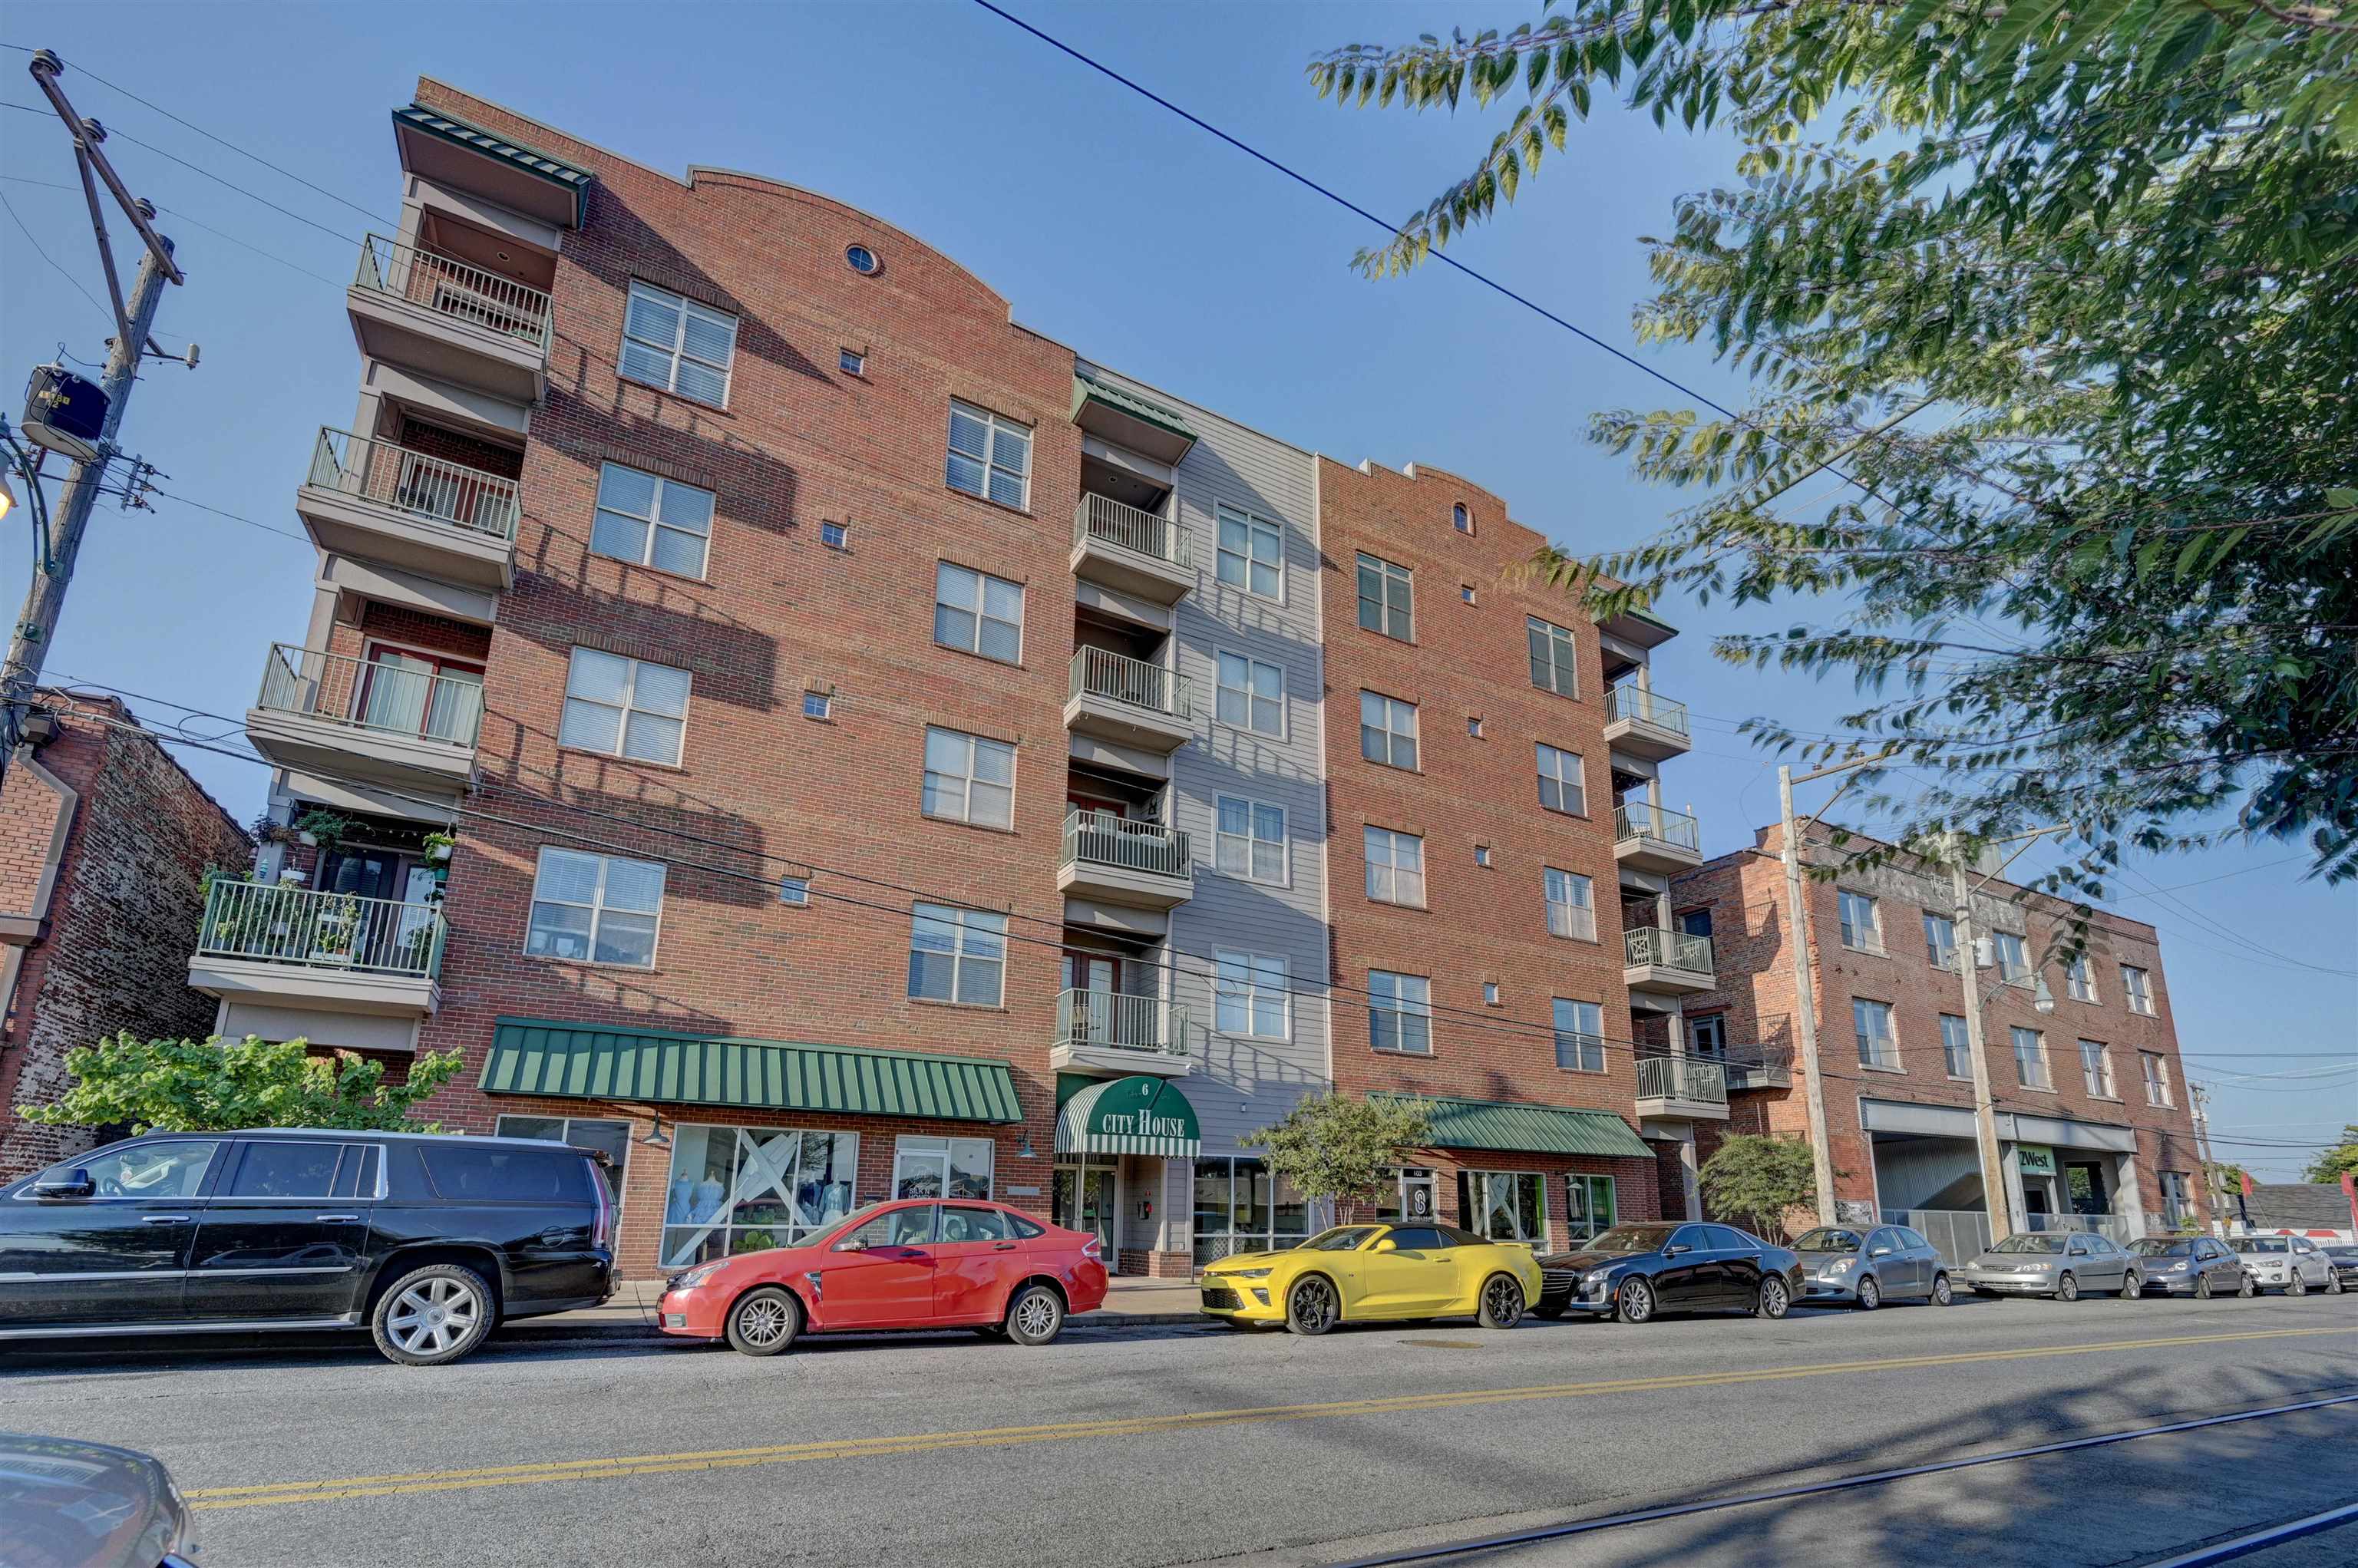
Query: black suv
[426,1240]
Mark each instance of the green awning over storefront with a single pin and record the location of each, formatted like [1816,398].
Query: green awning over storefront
[534,1056]
[1532,1128]
[1137,1115]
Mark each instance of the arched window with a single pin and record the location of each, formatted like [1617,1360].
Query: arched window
[1462,518]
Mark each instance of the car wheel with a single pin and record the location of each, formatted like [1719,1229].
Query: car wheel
[1942,1292]
[764,1322]
[2131,1287]
[1310,1306]
[1035,1316]
[1634,1302]
[2067,1288]
[1502,1302]
[2245,1289]
[2333,1284]
[2296,1284]
[1870,1294]
[2202,1288]
[432,1315]
[1774,1300]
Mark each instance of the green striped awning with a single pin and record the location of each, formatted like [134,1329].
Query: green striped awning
[571,178]
[535,1056]
[1528,1129]
[1175,434]
[1137,1115]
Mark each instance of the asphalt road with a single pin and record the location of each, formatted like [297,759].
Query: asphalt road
[1197,1444]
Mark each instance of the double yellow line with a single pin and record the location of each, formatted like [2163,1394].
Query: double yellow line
[272,1494]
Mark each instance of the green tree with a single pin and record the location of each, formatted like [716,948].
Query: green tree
[1342,1148]
[1757,1181]
[2330,1163]
[2049,313]
[212,1085]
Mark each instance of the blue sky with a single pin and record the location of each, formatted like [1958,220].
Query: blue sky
[1111,225]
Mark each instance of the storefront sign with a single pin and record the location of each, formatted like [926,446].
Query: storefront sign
[2034,1160]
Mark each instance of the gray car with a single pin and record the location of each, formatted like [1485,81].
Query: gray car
[2293,1264]
[2194,1266]
[1868,1266]
[2064,1264]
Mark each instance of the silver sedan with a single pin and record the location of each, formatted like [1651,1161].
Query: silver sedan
[1868,1265]
[2059,1263]
[2194,1266]
[2293,1264]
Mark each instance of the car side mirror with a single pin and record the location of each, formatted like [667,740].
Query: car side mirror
[1387,1245]
[1676,1247]
[76,1186]
[1879,1252]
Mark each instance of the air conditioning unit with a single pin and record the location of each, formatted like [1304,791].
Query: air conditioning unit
[64,412]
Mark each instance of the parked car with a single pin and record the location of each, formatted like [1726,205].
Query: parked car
[2059,1263]
[1634,1272]
[1869,1267]
[914,1263]
[2195,1266]
[66,1504]
[2344,1261]
[1369,1274]
[2293,1264]
[428,1241]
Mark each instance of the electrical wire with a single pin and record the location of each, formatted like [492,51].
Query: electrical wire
[45,255]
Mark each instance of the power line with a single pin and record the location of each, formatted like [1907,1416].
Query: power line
[208,228]
[45,255]
[234,517]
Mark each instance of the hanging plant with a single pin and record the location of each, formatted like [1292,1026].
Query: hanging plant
[327,829]
[438,845]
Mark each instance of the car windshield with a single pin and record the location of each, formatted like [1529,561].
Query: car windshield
[1630,1239]
[2261,1244]
[2163,1247]
[2347,1254]
[1341,1238]
[2031,1241]
[1826,1238]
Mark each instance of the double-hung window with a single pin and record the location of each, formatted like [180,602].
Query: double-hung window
[1250,553]
[1555,658]
[2137,986]
[1248,840]
[1386,601]
[990,456]
[1395,867]
[656,522]
[1562,781]
[1871,1021]
[2096,1070]
[1956,1046]
[1571,905]
[1579,1036]
[977,612]
[2156,1077]
[970,779]
[1860,928]
[678,346]
[956,954]
[1399,1013]
[2031,1059]
[2177,1198]
[1939,940]
[2013,962]
[626,707]
[2079,979]
[1250,995]
[1250,695]
[1388,730]
[598,909]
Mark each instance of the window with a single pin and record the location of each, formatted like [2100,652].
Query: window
[2156,1077]
[863,260]
[273,1169]
[956,954]
[1939,940]
[2079,980]
[1504,1205]
[1860,927]
[962,1224]
[612,1139]
[656,522]
[598,909]
[978,613]
[989,456]
[1240,1208]
[2013,963]
[941,1167]
[670,342]
[1694,922]
[1707,1036]
[1395,867]
[1465,592]
[1571,905]
[1555,663]
[2137,987]
[1248,840]
[1562,786]
[625,707]
[469,1171]
[1956,1046]
[1871,1021]
[896,1228]
[1388,730]
[1399,1013]
[1482,855]
[1592,1207]
[1250,995]
[2096,1070]
[820,705]
[142,1170]
[2177,1198]
[1579,1036]
[853,363]
[970,779]
[1250,695]
[1461,519]
[1489,993]
[835,535]
[1386,601]
[2031,1059]
[746,1189]
[1250,553]
[1474,725]
[794,890]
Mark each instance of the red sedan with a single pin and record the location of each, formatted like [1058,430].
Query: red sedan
[918,1263]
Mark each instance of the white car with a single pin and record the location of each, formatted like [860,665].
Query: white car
[2293,1264]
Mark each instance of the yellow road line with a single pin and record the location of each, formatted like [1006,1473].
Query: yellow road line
[271,1493]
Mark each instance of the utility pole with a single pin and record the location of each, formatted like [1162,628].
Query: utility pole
[1805,1006]
[2200,1100]
[1997,1193]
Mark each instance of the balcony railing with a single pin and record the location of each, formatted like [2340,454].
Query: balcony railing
[1664,827]
[1691,1078]
[1128,1022]
[281,924]
[1101,838]
[1759,1067]
[456,288]
[371,695]
[1634,702]
[1098,673]
[1667,949]
[1141,532]
[414,482]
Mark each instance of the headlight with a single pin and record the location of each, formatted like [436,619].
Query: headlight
[697,1275]
[1597,1276]
[1249,1273]
[2178,1268]
[1840,1266]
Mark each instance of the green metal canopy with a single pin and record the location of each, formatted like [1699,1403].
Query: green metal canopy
[1531,1129]
[535,1056]
[1167,437]
[572,180]
[1137,1115]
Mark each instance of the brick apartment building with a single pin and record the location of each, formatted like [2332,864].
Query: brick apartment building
[103,845]
[2093,1116]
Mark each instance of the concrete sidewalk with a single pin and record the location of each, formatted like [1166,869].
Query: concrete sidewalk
[1129,1303]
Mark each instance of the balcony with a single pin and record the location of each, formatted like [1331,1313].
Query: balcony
[1649,839]
[348,718]
[1131,551]
[289,947]
[1665,963]
[1759,1067]
[1140,865]
[450,320]
[1644,725]
[379,502]
[1129,701]
[1681,1088]
[1106,1033]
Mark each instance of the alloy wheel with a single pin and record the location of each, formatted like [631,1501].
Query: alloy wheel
[1637,1303]
[2299,1285]
[432,1315]
[2067,1288]
[1942,1294]
[1870,1294]
[1311,1308]
[2333,1284]
[1035,1315]
[2245,1289]
[2202,1289]
[1502,1302]
[763,1322]
[1774,1298]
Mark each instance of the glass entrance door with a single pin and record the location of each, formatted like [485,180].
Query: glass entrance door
[1088,1197]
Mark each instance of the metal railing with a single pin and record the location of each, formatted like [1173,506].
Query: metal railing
[282,925]
[412,482]
[1098,673]
[371,695]
[1103,518]
[1637,703]
[1130,1023]
[457,288]
[1101,838]
[2113,1225]
[1759,1067]
[1667,949]
[1960,1234]
[1692,1078]
[1659,823]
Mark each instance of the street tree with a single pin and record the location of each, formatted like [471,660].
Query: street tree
[1341,1147]
[1759,1180]
[216,1084]
[2331,1165]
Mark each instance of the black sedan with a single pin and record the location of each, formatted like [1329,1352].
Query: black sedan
[1633,1272]
[2344,1262]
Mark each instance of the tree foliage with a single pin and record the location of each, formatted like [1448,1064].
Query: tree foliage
[216,1084]
[2050,314]
[1758,1180]
[2331,1162]
[1341,1147]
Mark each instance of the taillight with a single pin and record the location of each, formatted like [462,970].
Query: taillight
[1092,1248]
[603,1236]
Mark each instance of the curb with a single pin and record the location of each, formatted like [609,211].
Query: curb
[545,1331]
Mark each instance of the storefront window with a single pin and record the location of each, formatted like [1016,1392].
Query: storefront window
[612,1139]
[1240,1208]
[1408,1196]
[932,1167]
[1590,1206]
[1505,1206]
[743,1189]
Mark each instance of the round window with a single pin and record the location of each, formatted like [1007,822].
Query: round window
[863,260]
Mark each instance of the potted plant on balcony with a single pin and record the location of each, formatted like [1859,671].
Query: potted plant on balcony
[437,846]
[335,927]
[325,830]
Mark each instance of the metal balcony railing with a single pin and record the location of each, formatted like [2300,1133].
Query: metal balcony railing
[1759,1067]
[1130,1023]
[414,482]
[1657,823]
[1101,838]
[1692,1078]
[281,924]
[1634,702]
[1667,949]
[1099,673]
[456,288]
[371,694]
[1101,517]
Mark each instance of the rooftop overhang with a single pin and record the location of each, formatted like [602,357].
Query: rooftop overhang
[450,151]
[1640,627]
[1129,421]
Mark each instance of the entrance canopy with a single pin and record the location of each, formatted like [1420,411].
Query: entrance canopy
[1137,1115]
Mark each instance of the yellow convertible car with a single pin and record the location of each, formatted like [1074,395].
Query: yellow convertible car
[1375,1273]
